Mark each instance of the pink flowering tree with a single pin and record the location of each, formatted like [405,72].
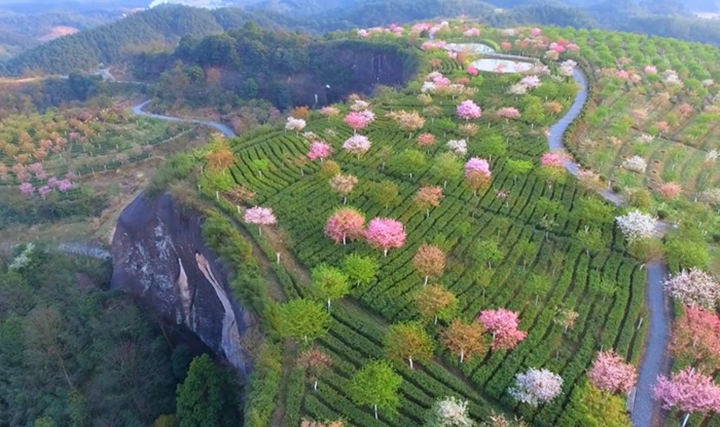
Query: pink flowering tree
[477,173]
[505,45]
[344,224]
[26,188]
[696,339]
[468,110]
[472,70]
[694,288]
[428,197]
[508,113]
[688,391]
[357,145]
[610,373]
[536,386]
[259,216]
[503,324]
[385,234]
[670,190]
[426,139]
[359,119]
[552,165]
[319,150]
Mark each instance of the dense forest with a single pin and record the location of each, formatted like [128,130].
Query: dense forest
[285,68]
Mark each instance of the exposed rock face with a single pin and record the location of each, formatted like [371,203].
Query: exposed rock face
[159,257]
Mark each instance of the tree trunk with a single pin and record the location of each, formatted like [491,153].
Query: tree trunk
[345,200]
[411,363]
[385,252]
[462,356]
[436,319]
[445,184]
[328,304]
[375,408]
[344,239]
[259,230]
[427,213]
[426,280]
[315,385]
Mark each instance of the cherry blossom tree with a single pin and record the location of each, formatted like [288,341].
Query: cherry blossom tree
[670,190]
[688,391]
[636,225]
[343,185]
[429,260]
[260,216]
[428,197]
[696,339]
[472,70]
[610,373]
[314,361]
[319,150]
[463,339]
[294,124]
[468,110]
[635,164]
[357,145]
[409,121]
[344,224]
[457,147]
[449,412]
[426,139]
[358,120]
[477,173]
[329,111]
[503,325]
[508,113]
[694,288]
[536,386]
[26,188]
[385,234]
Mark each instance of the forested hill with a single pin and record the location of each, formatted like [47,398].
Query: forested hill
[161,26]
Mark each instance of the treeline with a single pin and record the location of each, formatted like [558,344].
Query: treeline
[286,68]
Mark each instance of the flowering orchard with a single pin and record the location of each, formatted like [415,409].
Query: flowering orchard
[468,207]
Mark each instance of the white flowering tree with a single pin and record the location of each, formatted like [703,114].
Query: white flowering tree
[695,288]
[635,164]
[449,412]
[536,386]
[636,225]
[293,124]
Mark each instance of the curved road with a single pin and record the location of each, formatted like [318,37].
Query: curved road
[646,411]
[138,109]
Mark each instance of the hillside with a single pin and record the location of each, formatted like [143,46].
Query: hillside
[157,28]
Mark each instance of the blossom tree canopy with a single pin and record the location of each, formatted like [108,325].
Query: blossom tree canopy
[385,233]
[450,412]
[503,324]
[610,373]
[429,260]
[463,339]
[472,70]
[553,159]
[694,287]
[343,184]
[294,124]
[409,121]
[26,188]
[636,225]
[319,150]
[688,391]
[478,165]
[457,146]
[468,110]
[635,164]
[426,139]
[696,338]
[359,119]
[670,190]
[650,69]
[344,224]
[260,216]
[428,197]
[509,113]
[530,82]
[536,386]
[357,145]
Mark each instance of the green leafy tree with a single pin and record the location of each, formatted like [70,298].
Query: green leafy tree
[384,193]
[360,269]
[487,251]
[376,384]
[592,210]
[591,407]
[591,240]
[446,167]
[302,318]
[408,162]
[517,168]
[686,253]
[207,396]
[408,341]
[539,284]
[329,283]
[492,146]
